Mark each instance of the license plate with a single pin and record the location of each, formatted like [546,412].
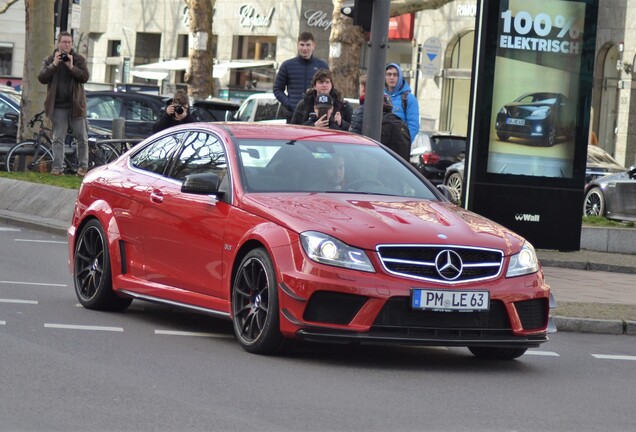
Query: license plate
[514,121]
[450,300]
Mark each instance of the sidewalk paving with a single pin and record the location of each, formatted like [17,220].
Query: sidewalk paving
[595,291]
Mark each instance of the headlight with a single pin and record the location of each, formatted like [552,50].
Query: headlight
[503,110]
[540,114]
[331,251]
[525,262]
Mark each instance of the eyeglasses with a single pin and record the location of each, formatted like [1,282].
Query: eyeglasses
[390,74]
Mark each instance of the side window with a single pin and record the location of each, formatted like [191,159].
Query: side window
[139,110]
[156,156]
[246,113]
[266,110]
[201,153]
[5,108]
[104,108]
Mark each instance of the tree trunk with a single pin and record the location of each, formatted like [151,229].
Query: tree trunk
[38,44]
[346,41]
[199,76]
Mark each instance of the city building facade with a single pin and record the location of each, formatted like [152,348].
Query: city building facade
[147,42]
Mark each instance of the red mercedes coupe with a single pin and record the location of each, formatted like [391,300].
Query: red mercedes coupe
[302,233]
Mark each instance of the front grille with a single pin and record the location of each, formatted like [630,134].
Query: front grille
[533,313]
[333,308]
[419,261]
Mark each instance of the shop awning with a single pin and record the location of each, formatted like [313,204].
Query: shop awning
[160,70]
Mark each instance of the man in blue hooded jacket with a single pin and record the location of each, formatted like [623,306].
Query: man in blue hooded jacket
[405,104]
[295,74]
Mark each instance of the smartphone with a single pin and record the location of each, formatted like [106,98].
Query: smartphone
[322,112]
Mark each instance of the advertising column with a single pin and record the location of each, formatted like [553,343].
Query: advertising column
[530,108]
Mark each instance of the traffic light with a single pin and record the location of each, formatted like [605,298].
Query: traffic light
[361,12]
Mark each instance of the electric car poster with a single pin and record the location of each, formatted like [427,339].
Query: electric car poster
[536,93]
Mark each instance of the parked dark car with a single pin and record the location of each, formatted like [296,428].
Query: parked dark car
[214,109]
[612,196]
[9,114]
[599,163]
[539,118]
[140,110]
[433,152]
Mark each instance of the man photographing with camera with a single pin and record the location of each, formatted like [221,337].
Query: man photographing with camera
[177,112]
[64,72]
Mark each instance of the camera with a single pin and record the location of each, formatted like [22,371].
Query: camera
[64,57]
[322,112]
[178,109]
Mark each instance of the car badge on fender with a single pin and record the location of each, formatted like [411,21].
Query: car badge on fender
[448,264]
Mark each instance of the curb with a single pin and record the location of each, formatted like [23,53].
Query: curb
[588,325]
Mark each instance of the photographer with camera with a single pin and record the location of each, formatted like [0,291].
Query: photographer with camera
[177,112]
[64,72]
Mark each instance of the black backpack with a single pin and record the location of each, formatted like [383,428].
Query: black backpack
[395,135]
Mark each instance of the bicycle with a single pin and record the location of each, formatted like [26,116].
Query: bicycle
[36,155]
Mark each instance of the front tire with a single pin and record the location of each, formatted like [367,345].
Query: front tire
[255,313]
[455,182]
[594,203]
[92,271]
[497,353]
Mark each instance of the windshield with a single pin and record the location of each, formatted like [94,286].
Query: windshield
[306,166]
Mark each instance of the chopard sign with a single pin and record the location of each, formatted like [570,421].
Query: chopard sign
[249,18]
[317,19]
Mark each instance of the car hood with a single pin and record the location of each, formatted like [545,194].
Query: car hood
[366,221]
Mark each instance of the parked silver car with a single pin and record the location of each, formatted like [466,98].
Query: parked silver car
[612,196]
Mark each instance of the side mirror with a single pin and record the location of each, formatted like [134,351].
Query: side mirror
[201,184]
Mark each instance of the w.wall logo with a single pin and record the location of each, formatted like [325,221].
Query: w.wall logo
[525,217]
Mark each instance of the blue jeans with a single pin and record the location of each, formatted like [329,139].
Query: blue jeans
[61,123]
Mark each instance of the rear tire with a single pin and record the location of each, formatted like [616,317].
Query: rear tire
[26,156]
[92,271]
[497,353]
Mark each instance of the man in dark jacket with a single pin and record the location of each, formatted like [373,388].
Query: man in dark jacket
[64,72]
[294,75]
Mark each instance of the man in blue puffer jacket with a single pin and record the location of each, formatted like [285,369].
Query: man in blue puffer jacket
[405,104]
[294,75]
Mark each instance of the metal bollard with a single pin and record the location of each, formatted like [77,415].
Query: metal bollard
[119,128]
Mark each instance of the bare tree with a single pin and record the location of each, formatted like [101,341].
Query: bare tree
[199,77]
[346,41]
[38,45]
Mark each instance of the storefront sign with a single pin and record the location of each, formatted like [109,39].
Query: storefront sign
[467,10]
[249,18]
[318,19]
[401,27]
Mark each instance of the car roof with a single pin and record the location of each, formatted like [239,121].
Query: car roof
[123,94]
[254,130]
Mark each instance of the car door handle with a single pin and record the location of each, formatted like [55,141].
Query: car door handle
[156,196]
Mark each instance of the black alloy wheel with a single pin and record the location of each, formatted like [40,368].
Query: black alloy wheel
[255,312]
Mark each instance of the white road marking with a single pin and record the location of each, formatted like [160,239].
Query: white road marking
[10,229]
[614,357]
[40,241]
[33,283]
[18,301]
[83,327]
[184,333]
[542,353]
[3,322]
